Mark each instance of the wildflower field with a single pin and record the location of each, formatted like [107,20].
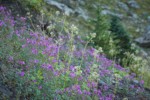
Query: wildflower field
[62,66]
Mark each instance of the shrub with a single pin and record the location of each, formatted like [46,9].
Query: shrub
[104,37]
[120,34]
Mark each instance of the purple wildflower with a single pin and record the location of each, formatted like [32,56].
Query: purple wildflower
[132,86]
[40,87]
[24,45]
[49,67]
[142,82]
[12,22]
[106,87]
[11,58]
[1,23]
[87,70]
[94,84]
[80,78]
[76,87]
[79,91]
[89,84]
[56,73]
[22,73]
[36,61]
[98,92]
[72,74]
[21,62]
[72,68]
[54,60]
[86,92]
[23,19]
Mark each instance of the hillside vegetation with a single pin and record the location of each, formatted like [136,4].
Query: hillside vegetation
[46,54]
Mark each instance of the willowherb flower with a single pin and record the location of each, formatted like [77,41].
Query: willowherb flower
[59,91]
[106,87]
[1,23]
[109,97]
[23,46]
[72,68]
[40,87]
[11,58]
[54,61]
[119,67]
[76,87]
[21,62]
[23,19]
[94,84]
[34,51]
[56,73]
[79,91]
[89,84]
[22,73]
[142,82]
[132,86]
[77,54]
[97,91]
[36,61]
[91,51]
[87,70]
[72,74]
[86,92]
[12,22]
[133,75]
[80,78]
[2,8]
[47,66]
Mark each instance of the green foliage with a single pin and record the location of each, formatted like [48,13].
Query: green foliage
[115,41]
[104,38]
[32,4]
[138,65]
[120,34]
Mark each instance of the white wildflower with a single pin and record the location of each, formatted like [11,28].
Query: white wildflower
[93,35]
[57,13]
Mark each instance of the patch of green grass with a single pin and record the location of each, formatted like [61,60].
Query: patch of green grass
[32,4]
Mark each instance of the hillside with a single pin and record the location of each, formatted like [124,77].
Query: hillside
[74,49]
